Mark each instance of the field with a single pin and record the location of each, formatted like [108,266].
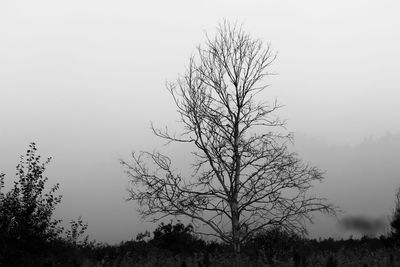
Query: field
[185,249]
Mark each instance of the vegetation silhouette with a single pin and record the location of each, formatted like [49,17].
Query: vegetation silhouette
[26,211]
[395,223]
[177,238]
[271,248]
[29,235]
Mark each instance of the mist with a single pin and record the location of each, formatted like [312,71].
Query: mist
[83,79]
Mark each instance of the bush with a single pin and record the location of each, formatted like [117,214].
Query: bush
[273,244]
[176,238]
[26,224]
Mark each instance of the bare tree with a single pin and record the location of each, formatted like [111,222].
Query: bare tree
[245,179]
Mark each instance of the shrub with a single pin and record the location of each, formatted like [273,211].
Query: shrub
[273,244]
[176,238]
[26,224]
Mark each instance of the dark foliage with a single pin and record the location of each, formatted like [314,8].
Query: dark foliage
[29,235]
[395,223]
[177,238]
[270,248]
[331,262]
[274,244]
[26,210]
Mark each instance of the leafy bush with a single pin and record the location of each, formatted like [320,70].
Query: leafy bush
[176,238]
[29,236]
[26,210]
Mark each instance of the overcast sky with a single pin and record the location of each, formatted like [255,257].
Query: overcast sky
[83,79]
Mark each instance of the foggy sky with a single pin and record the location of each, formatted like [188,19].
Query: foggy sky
[83,79]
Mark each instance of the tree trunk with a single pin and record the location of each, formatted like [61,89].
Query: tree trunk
[235,187]
[235,234]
